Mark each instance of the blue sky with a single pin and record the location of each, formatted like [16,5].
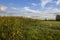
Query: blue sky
[30,8]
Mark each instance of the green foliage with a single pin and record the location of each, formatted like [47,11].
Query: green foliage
[19,28]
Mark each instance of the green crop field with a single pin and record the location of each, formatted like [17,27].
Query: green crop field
[19,28]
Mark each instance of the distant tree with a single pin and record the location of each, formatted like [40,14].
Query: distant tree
[57,17]
[45,19]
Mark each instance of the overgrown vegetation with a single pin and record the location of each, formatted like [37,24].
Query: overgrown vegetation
[19,28]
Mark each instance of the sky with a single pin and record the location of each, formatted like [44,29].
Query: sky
[41,9]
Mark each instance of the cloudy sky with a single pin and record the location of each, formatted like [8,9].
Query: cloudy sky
[30,8]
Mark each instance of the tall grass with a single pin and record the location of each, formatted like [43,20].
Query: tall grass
[19,28]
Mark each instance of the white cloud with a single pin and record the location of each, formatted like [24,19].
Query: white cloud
[28,10]
[58,2]
[3,8]
[52,10]
[14,8]
[47,13]
[44,2]
[34,4]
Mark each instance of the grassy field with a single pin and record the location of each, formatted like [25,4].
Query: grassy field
[19,28]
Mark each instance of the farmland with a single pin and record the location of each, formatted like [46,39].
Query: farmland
[20,28]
